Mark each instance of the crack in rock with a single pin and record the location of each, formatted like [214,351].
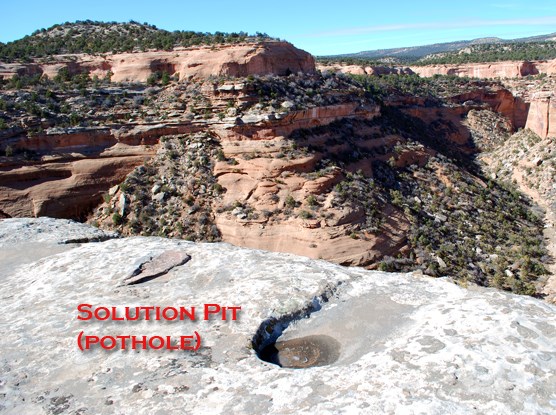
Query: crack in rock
[100,238]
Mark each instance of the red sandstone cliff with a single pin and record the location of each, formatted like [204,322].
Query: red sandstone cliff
[541,117]
[487,70]
[365,70]
[278,58]
[533,109]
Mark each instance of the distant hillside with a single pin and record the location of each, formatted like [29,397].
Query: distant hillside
[99,37]
[417,52]
[494,53]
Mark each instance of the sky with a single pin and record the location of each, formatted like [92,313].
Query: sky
[319,27]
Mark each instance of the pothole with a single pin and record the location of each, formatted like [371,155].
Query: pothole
[352,324]
[303,352]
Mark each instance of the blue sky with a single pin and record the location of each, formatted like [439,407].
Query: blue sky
[320,27]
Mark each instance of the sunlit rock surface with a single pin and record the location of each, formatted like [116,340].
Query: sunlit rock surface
[401,343]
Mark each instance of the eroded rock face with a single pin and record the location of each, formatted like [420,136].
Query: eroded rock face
[487,70]
[542,114]
[512,69]
[66,189]
[365,70]
[265,181]
[533,109]
[530,110]
[408,343]
[254,172]
[278,58]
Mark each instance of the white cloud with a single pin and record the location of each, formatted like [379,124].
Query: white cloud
[548,20]
[530,7]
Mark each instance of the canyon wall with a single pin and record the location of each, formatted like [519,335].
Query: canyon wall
[76,167]
[533,110]
[525,109]
[373,70]
[66,186]
[63,189]
[263,181]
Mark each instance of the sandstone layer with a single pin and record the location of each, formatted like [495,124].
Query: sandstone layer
[71,179]
[407,343]
[278,58]
[262,181]
[371,70]
[487,70]
[533,109]
[541,117]
[536,97]
[512,69]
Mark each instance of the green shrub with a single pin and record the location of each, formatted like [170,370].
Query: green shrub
[312,201]
[117,219]
[290,201]
[305,215]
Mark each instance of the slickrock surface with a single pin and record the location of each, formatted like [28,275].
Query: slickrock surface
[27,240]
[409,344]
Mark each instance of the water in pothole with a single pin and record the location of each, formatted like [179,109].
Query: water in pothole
[340,333]
[303,352]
